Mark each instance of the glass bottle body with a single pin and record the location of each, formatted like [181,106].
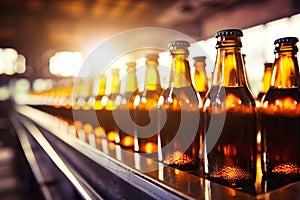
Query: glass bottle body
[231,160]
[126,109]
[108,104]
[147,107]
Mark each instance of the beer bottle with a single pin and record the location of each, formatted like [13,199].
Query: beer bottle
[99,93]
[127,126]
[146,110]
[200,76]
[179,106]
[230,117]
[266,81]
[280,116]
[97,101]
[110,102]
[81,107]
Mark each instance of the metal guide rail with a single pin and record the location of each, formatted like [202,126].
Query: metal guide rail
[99,169]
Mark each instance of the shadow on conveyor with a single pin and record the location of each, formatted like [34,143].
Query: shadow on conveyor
[16,178]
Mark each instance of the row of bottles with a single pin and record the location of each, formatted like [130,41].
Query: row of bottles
[190,126]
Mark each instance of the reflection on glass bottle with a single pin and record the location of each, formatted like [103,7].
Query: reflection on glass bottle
[200,76]
[146,109]
[179,135]
[125,111]
[230,118]
[266,81]
[280,116]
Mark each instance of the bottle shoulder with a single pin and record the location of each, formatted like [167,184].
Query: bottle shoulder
[180,98]
[230,98]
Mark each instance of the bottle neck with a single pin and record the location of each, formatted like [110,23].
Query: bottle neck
[266,81]
[131,81]
[115,84]
[180,75]
[152,80]
[102,86]
[229,68]
[286,70]
[200,78]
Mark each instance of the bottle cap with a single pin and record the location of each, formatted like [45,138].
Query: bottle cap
[152,56]
[286,40]
[200,58]
[131,65]
[237,32]
[115,70]
[268,65]
[178,43]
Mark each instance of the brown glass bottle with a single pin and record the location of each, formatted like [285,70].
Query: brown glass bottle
[146,109]
[179,105]
[81,108]
[266,81]
[230,118]
[280,116]
[109,101]
[98,102]
[200,76]
[125,111]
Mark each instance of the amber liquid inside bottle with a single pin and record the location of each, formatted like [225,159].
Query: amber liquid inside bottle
[178,121]
[107,105]
[231,160]
[127,131]
[106,119]
[281,138]
[146,119]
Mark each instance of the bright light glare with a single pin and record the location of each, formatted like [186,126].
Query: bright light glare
[164,61]
[65,63]
[21,64]
[8,61]
[42,84]
[4,93]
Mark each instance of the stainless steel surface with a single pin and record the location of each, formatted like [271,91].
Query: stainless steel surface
[98,161]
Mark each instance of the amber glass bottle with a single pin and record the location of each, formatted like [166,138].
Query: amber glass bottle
[230,117]
[98,102]
[179,106]
[81,107]
[105,117]
[200,76]
[266,81]
[146,109]
[280,116]
[127,127]
[100,93]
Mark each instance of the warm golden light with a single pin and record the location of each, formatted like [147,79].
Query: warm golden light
[65,63]
[11,62]
[127,141]
[112,135]
[150,147]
